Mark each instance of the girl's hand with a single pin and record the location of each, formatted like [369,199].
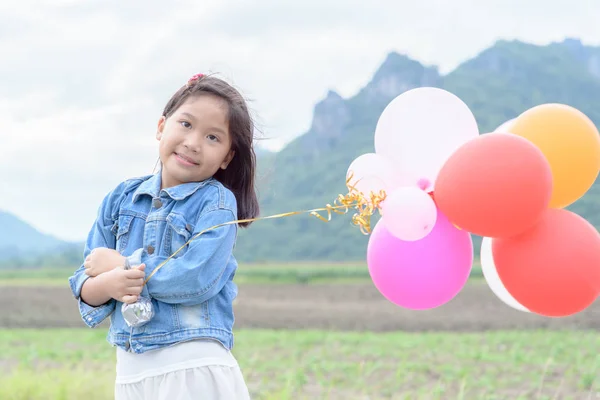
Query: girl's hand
[103,260]
[123,285]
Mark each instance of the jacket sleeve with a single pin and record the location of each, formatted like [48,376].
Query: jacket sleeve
[100,236]
[199,273]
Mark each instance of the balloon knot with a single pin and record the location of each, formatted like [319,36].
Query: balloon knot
[423,183]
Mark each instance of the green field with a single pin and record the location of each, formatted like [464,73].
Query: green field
[69,364]
[253,273]
[77,364]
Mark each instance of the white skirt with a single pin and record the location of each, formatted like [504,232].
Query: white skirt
[199,369]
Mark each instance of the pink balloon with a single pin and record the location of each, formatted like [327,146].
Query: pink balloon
[422,274]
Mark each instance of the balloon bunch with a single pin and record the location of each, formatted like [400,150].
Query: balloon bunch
[443,182]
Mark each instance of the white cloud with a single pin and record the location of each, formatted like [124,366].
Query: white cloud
[82,82]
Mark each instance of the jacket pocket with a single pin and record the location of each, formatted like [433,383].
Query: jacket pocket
[178,232]
[121,231]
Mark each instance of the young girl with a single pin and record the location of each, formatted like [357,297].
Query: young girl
[206,178]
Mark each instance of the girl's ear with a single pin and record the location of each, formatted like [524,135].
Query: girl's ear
[160,127]
[228,159]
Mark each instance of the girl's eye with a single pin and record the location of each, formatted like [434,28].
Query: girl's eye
[212,138]
[185,124]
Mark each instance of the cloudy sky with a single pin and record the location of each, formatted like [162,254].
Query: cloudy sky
[82,82]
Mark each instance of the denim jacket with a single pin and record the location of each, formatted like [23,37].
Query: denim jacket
[192,294]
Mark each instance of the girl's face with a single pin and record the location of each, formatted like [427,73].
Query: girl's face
[194,141]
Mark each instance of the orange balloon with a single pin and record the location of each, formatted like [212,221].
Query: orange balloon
[552,269]
[570,142]
[495,185]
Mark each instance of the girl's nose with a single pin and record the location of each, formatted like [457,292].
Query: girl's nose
[192,143]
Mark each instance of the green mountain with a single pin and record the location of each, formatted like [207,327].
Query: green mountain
[498,84]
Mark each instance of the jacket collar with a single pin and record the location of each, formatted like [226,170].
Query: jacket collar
[151,187]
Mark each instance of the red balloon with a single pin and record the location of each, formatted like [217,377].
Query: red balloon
[496,185]
[552,269]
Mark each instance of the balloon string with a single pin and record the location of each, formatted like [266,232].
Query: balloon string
[365,207]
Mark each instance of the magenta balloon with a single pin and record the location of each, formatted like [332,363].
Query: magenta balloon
[420,274]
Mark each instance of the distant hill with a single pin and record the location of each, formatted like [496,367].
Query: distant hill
[498,84]
[21,245]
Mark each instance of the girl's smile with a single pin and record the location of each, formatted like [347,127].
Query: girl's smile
[185,160]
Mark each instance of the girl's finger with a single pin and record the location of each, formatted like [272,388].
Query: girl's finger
[129,299]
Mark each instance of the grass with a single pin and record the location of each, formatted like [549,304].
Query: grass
[74,364]
[252,273]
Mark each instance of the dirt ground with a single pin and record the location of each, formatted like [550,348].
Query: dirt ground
[333,307]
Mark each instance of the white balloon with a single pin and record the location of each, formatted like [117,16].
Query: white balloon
[491,276]
[371,173]
[409,213]
[506,126]
[419,130]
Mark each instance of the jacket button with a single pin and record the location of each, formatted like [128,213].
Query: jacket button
[156,203]
[127,345]
[188,227]
[150,249]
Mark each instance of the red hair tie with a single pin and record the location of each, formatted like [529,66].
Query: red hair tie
[194,79]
